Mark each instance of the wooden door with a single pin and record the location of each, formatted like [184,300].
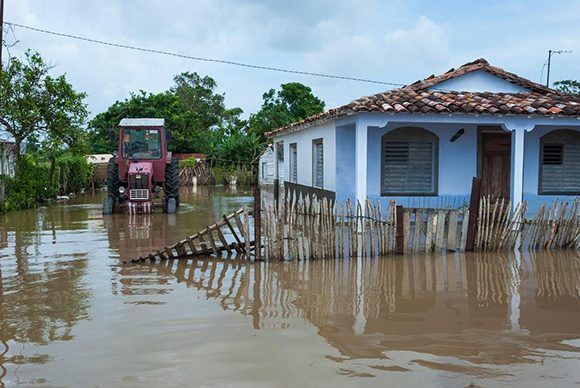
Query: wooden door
[495,164]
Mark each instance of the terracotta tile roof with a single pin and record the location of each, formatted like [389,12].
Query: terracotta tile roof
[416,98]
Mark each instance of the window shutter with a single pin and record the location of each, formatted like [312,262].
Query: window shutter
[293,163]
[408,167]
[560,168]
[318,164]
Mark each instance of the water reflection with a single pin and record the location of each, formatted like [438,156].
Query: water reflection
[482,308]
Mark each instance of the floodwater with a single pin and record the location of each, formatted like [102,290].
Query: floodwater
[72,315]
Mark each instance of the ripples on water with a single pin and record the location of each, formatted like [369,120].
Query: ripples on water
[72,315]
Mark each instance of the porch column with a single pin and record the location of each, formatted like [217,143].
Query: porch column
[518,131]
[361,161]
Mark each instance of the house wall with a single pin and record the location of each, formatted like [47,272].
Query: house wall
[479,81]
[457,164]
[303,140]
[532,168]
[345,162]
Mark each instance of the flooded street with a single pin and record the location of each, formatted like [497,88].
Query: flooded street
[72,315]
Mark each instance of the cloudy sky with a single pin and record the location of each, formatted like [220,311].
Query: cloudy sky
[388,40]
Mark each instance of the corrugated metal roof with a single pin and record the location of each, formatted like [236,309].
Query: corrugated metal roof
[142,122]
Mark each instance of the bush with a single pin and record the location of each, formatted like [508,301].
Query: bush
[189,162]
[74,173]
[30,187]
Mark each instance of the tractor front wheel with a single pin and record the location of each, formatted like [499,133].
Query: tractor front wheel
[109,205]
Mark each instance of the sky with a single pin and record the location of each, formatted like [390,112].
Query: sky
[387,40]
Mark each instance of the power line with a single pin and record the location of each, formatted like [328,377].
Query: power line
[203,59]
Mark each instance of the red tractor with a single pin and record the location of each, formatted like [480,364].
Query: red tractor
[142,169]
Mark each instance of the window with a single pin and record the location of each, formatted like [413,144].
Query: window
[141,144]
[264,164]
[560,163]
[317,163]
[410,162]
[293,163]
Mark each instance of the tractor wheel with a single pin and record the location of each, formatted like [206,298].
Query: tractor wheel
[109,205]
[172,181]
[171,205]
[113,182]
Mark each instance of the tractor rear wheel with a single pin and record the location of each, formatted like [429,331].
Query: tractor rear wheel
[113,181]
[113,184]
[172,181]
[171,205]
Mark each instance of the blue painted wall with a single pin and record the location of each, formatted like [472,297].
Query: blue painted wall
[457,164]
[532,169]
[478,81]
[345,162]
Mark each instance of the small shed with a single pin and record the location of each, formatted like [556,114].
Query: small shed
[100,161]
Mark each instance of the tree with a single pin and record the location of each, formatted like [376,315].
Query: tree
[194,114]
[36,106]
[293,102]
[104,127]
[568,86]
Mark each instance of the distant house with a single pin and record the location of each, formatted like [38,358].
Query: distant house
[100,161]
[266,166]
[6,154]
[424,142]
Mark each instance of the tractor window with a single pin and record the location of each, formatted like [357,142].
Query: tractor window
[141,144]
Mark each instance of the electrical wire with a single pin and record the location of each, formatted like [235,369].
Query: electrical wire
[202,59]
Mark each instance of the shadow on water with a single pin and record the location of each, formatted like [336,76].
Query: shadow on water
[486,315]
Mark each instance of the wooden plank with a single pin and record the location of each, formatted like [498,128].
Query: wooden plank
[430,229]
[238,245]
[473,212]
[464,230]
[214,247]
[417,231]
[247,229]
[191,245]
[452,231]
[223,240]
[439,237]
[399,239]
[240,226]
[406,228]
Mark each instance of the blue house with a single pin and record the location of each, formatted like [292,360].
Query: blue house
[423,143]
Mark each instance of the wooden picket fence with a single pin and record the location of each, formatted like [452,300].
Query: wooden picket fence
[555,226]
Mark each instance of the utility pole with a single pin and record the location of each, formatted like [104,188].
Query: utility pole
[1,31]
[550,52]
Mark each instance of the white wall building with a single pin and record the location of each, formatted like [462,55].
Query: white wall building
[423,143]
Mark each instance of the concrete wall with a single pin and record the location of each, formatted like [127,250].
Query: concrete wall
[532,168]
[457,164]
[479,81]
[303,140]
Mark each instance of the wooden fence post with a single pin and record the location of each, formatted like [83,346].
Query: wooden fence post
[399,238]
[257,223]
[473,212]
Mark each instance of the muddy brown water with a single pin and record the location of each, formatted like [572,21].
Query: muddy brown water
[72,315]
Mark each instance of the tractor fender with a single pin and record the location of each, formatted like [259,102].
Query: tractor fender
[168,158]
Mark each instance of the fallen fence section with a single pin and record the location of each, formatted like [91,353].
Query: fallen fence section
[211,240]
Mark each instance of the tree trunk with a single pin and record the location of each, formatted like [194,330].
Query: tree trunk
[17,144]
[51,171]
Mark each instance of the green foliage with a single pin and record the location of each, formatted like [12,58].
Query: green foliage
[40,108]
[30,187]
[75,173]
[293,102]
[187,163]
[568,86]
